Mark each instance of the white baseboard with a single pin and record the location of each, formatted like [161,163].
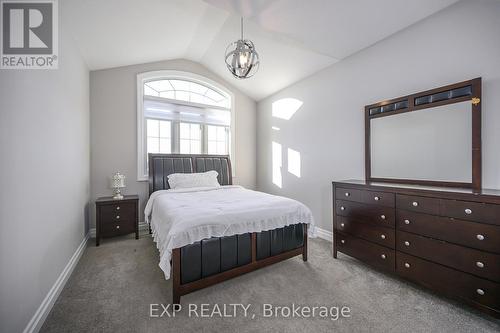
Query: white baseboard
[142,226]
[324,234]
[43,310]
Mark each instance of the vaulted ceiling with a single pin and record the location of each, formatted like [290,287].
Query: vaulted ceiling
[294,38]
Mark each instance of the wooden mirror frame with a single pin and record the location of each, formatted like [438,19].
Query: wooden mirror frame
[424,100]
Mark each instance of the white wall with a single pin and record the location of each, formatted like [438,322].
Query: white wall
[456,44]
[113,114]
[44,177]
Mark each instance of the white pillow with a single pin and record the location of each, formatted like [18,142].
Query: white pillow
[188,180]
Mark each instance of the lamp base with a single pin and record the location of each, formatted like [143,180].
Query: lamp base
[118,196]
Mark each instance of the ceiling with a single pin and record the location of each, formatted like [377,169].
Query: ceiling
[294,38]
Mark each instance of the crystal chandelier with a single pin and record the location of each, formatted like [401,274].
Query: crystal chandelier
[241,58]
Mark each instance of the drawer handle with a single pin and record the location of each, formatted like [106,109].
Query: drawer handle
[382,236]
[480,237]
[414,203]
[407,221]
[376,198]
[342,208]
[480,292]
[117,217]
[347,194]
[382,217]
[342,225]
[479,264]
[383,256]
[342,241]
[117,227]
[407,243]
[468,211]
[407,265]
[118,208]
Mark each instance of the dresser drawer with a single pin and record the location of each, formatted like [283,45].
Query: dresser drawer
[117,228]
[418,204]
[380,235]
[476,235]
[363,196]
[379,198]
[349,194]
[373,254]
[382,216]
[483,264]
[118,212]
[449,281]
[473,211]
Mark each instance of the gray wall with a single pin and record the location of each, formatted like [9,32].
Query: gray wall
[44,144]
[113,118]
[459,43]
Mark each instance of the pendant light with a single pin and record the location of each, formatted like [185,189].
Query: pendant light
[241,58]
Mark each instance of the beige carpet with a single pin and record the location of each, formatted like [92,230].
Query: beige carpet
[114,284]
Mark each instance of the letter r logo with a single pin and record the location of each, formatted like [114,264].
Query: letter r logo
[27,27]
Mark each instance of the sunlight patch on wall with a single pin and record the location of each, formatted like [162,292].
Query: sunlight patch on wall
[277,164]
[285,108]
[294,162]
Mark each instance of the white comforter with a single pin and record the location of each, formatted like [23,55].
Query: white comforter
[184,216]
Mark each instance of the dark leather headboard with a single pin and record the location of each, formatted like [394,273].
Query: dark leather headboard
[162,165]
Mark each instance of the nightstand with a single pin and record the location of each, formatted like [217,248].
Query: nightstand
[117,217]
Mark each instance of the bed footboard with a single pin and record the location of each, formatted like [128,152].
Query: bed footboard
[217,259]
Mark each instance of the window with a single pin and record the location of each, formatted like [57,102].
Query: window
[217,139]
[181,113]
[183,90]
[190,138]
[159,136]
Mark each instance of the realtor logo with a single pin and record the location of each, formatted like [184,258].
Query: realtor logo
[29,34]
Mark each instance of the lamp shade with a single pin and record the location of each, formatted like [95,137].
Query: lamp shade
[118,180]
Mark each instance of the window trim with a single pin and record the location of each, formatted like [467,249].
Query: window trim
[181,75]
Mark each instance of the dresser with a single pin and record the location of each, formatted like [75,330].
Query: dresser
[445,239]
[117,217]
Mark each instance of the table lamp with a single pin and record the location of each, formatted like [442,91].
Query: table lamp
[117,183]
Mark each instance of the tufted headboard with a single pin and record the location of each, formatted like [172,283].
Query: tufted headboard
[162,165]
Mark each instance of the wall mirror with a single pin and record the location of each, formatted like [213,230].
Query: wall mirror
[428,138]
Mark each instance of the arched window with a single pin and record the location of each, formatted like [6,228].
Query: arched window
[180,112]
[187,91]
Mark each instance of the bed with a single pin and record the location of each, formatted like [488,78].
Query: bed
[209,235]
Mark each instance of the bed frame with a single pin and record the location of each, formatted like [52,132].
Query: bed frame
[218,259]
